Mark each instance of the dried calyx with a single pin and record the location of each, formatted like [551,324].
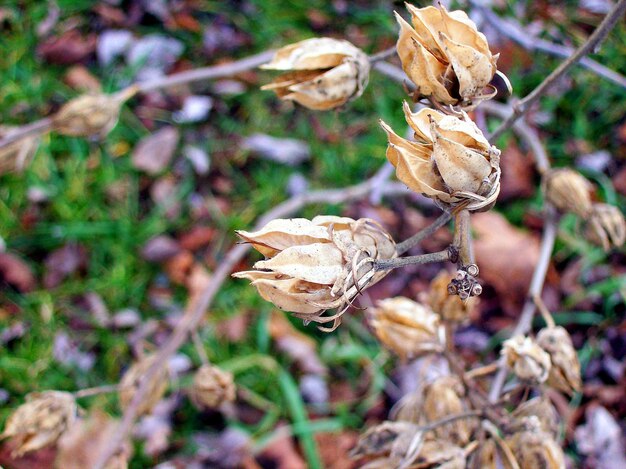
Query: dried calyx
[315,265]
[606,226]
[450,160]
[212,387]
[320,73]
[565,370]
[446,57]
[40,421]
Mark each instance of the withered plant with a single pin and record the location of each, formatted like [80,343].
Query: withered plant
[495,415]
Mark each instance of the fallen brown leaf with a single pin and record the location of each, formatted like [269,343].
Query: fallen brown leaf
[198,237]
[41,459]
[69,48]
[154,152]
[517,174]
[281,453]
[80,78]
[63,262]
[334,449]
[16,273]
[506,257]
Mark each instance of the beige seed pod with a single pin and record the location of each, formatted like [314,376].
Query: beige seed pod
[443,398]
[320,73]
[606,226]
[437,453]
[450,307]
[450,160]
[132,379]
[540,408]
[212,387]
[40,421]
[315,265]
[405,327]
[568,191]
[528,360]
[91,114]
[565,370]
[446,56]
[81,445]
[17,155]
[534,448]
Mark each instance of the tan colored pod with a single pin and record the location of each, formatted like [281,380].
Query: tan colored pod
[212,387]
[527,359]
[568,191]
[565,370]
[132,379]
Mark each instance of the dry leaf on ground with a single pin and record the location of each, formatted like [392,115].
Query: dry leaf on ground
[154,152]
[16,273]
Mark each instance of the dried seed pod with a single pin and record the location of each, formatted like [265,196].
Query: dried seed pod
[450,160]
[543,410]
[82,444]
[316,265]
[40,421]
[535,448]
[527,359]
[443,398]
[565,370]
[212,387]
[385,439]
[132,379]
[17,155]
[405,327]
[606,226]
[568,191]
[446,56]
[441,454]
[320,73]
[449,306]
[91,114]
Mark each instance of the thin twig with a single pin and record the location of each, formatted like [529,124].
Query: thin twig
[199,346]
[390,264]
[107,388]
[414,240]
[192,316]
[382,55]
[536,285]
[514,31]
[520,108]
[452,418]
[463,237]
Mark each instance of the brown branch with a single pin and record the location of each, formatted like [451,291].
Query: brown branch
[536,286]
[407,244]
[520,108]
[398,262]
[193,315]
[514,31]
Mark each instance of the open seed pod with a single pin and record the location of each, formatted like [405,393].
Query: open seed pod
[606,226]
[212,387]
[527,359]
[315,265]
[533,447]
[320,73]
[565,370]
[40,421]
[446,56]
[568,190]
[443,398]
[450,160]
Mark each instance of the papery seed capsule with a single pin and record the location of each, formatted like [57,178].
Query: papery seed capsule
[132,379]
[527,359]
[212,387]
[444,301]
[606,226]
[568,191]
[534,448]
[565,370]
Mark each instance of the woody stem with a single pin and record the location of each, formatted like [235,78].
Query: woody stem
[463,237]
[390,264]
[407,244]
[96,390]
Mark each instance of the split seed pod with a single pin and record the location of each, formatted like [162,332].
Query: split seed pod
[131,381]
[315,265]
[606,226]
[446,56]
[212,387]
[407,328]
[543,410]
[450,307]
[91,114]
[450,160]
[535,448]
[320,73]
[565,370]
[40,421]
[390,443]
[527,359]
[568,191]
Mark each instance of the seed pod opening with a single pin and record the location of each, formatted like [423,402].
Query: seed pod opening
[606,226]
[565,370]
[527,359]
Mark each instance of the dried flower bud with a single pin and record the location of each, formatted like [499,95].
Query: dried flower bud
[390,442]
[212,387]
[82,444]
[535,448]
[321,73]
[568,191]
[40,421]
[527,359]
[543,410]
[17,155]
[407,328]
[91,114]
[440,454]
[451,161]
[606,226]
[565,370]
[446,56]
[443,398]
[316,265]
[449,307]
[132,379]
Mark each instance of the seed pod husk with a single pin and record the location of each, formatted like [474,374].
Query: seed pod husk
[565,370]
[528,360]
[534,448]
[132,379]
[212,387]
[606,226]
[568,191]
[40,421]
